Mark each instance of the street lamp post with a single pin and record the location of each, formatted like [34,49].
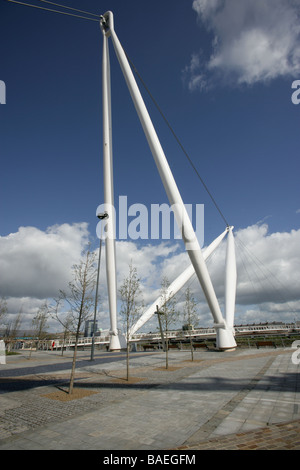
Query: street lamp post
[101,217]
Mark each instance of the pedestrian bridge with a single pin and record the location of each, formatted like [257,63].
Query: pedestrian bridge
[181,335]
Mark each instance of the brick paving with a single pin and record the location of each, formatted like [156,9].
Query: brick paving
[31,408]
[282,436]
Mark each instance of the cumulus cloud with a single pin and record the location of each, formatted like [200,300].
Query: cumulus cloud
[274,260]
[253,41]
[268,266]
[35,264]
[147,258]
[152,263]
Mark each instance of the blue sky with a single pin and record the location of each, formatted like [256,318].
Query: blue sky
[218,74]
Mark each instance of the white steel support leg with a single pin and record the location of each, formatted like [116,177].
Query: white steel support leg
[230,280]
[176,285]
[225,336]
[110,248]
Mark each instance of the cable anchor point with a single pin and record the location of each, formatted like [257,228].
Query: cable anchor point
[107,22]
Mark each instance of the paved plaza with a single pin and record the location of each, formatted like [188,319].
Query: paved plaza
[239,400]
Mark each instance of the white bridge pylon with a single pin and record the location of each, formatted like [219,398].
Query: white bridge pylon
[224,331]
[176,285]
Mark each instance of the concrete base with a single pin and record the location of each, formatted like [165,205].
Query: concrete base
[225,339]
[114,344]
[117,343]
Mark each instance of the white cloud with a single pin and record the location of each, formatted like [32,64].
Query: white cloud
[268,268]
[253,41]
[147,258]
[192,74]
[152,263]
[36,264]
[274,260]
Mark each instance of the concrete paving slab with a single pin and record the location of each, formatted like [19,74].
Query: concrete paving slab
[219,395]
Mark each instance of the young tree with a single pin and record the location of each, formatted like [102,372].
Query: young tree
[39,325]
[67,330]
[16,325]
[132,305]
[39,322]
[190,315]
[80,300]
[3,309]
[169,314]
[13,329]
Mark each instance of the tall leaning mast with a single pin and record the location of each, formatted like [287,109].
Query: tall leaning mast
[110,229]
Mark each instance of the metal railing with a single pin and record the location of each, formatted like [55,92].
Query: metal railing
[200,333]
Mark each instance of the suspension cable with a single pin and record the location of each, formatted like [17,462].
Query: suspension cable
[177,139]
[140,78]
[268,275]
[56,11]
[70,8]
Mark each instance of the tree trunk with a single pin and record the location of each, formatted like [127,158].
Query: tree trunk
[167,351]
[127,347]
[30,350]
[127,360]
[73,370]
[74,362]
[192,349]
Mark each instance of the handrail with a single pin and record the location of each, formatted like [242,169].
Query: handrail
[58,343]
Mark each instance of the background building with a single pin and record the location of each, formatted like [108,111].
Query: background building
[89,328]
